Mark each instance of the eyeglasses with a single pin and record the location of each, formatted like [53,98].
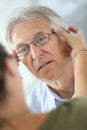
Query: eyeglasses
[23,49]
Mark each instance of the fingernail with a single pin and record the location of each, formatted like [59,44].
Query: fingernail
[56,29]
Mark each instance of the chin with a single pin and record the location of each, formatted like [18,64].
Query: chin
[50,78]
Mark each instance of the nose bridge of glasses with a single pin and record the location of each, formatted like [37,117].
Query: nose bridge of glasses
[33,49]
[29,43]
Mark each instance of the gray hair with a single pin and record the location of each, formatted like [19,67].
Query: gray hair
[32,13]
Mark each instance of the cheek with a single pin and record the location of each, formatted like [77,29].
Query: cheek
[55,48]
[59,52]
[62,47]
[28,62]
[55,44]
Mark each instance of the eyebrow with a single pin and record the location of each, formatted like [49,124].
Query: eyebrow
[19,44]
[35,35]
[38,33]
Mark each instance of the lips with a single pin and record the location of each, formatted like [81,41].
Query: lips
[46,63]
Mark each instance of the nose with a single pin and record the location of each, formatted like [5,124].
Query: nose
[35,51]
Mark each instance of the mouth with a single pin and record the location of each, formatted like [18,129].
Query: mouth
[44,65]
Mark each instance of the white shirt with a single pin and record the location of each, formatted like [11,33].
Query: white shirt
[42,99]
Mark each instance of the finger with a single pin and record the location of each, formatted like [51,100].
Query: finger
[62,33]
[73,29]
[76,30]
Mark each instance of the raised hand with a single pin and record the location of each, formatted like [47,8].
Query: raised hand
[74,38]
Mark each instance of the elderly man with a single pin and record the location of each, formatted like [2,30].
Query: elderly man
[45,53]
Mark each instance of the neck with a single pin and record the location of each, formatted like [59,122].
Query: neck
[63,85]
[13,107]
[64,88]
[30,121]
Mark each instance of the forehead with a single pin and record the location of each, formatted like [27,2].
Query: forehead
[29,29]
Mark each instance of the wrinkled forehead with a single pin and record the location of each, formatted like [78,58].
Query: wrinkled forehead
[31,20]
[29,29]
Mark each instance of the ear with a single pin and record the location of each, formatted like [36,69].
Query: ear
[68,47]
[10,66]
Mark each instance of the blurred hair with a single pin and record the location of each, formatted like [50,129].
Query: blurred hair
[3,55]
[32,13]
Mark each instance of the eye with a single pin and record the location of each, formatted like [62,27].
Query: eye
[23,49]
[40,40]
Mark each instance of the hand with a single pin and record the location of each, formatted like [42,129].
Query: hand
[74,38]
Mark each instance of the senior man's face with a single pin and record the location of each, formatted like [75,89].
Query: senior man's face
[47,61]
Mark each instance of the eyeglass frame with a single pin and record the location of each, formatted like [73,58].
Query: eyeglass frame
[33,42]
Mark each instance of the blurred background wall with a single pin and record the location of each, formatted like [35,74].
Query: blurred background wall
[72,11]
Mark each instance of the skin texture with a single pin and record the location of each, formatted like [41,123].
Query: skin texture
[14,113]
[14,110]
[50,62]
[14,90]
[79,53]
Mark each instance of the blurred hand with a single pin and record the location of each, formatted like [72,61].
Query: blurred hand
[74,38]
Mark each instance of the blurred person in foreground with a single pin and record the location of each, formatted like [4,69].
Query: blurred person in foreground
[71,115]
[47,55]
